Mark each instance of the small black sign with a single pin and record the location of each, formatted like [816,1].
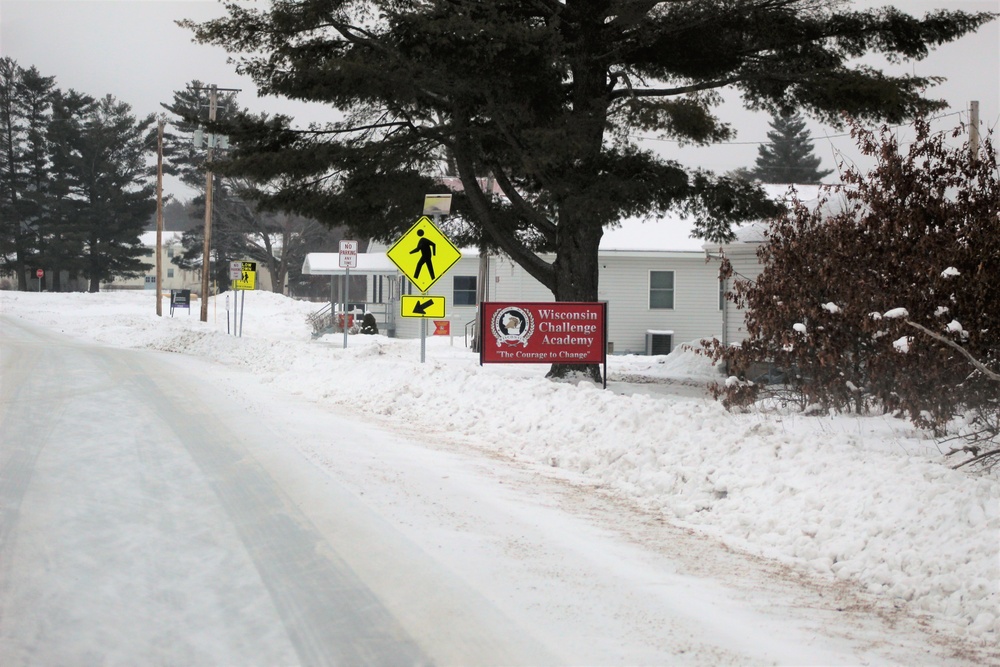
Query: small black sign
[180,298]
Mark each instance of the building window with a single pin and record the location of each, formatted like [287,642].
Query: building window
[661,289]
[465,290]
[722,295]
[170,252]
[150,280]
[170,273]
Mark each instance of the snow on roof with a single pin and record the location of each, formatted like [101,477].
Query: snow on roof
[328,264]
[667,233]
[148,239]
[809,195]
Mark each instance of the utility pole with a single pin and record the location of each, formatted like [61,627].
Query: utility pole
[159,216]
[206,261]
[974,129]
[206,268]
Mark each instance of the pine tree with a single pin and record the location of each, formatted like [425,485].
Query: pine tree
[25,101]
[788,158]
[545,96]
[240,228]
[103,178]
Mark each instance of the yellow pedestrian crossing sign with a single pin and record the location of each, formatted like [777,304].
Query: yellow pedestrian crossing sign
[423,305]
[246,277]
[423,254]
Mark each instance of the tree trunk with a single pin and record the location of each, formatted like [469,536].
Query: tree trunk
[22,272]
[577,273]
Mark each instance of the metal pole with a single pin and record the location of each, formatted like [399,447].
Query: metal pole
[423,339]
[343,295]
[243,307]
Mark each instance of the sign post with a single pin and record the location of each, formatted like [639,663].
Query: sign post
[423,254]
[245,279]
[39,273]
[348,260]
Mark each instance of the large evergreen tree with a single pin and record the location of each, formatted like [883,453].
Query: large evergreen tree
[25,104]
[543,96]
[788,157]
[103,178]
[240,230]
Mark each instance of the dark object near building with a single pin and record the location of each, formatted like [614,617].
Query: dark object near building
[368,324]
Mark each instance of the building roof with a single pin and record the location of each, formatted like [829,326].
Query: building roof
[148,239]
[328,264]
[667,233]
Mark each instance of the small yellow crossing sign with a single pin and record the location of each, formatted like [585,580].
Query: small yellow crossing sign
[246,279]
[431,307]
[423,254]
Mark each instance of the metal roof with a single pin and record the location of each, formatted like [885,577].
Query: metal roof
[328,264]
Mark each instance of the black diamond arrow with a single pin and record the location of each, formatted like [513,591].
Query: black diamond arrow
[421,308]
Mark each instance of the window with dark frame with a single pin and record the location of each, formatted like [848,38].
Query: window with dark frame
[661,290]
[465,291]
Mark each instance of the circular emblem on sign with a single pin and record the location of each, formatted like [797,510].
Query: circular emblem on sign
[512,326]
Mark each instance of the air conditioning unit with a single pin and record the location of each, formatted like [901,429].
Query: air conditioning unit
[659,342]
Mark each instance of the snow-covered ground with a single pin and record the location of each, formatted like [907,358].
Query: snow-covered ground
[868,501]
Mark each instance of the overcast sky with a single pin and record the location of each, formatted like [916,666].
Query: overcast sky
[133,50]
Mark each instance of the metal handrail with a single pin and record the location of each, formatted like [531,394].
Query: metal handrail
[470,323]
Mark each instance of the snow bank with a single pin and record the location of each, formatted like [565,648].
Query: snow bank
[868,500]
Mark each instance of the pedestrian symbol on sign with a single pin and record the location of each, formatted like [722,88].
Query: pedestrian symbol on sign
[423,247]
[427,249]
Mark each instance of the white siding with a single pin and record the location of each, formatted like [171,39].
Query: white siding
[409,327]
[743,258]
[625,286]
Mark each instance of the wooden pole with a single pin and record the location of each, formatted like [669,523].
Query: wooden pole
[974,129]
[206,262]
[159,217]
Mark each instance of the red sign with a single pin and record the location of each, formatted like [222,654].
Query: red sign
[442,328]
[39,273]
[544,333]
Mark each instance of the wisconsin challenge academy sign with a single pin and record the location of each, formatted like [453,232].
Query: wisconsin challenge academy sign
[545,333]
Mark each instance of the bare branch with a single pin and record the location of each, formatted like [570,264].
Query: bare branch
[980,366]
[667,92]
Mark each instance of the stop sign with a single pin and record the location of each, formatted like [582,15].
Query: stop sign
[39,273]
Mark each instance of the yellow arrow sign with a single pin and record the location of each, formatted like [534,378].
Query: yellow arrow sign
[423,254]
[412,305]
[248,277]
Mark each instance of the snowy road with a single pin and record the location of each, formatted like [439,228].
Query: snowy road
[136,525]
[157,509]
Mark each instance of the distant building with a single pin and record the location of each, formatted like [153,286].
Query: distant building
[660,290]
[173,276]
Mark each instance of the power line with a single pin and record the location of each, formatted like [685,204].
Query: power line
[761,143]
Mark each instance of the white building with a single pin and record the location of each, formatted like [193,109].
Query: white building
[660,289]
[742,255]
[173,276]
